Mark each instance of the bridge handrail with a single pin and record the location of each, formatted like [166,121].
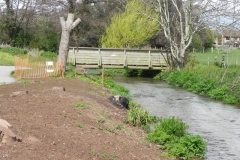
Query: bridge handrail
[119,58]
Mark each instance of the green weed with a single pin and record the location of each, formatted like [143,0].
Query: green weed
[81,105]
[101,120]
[70,71]
[109,156]
[80,125]
[26,82]
[112,130]
[100,128]
[120,127]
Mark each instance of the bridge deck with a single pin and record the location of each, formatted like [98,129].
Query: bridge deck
[118,58]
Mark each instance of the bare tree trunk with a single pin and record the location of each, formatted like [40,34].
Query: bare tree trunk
[67,27]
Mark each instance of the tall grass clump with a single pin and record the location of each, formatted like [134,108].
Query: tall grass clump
[171,134]
[139,117]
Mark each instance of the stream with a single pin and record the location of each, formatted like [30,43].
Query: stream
[217,123]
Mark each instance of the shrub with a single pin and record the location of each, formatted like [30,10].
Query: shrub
[188,147]
[141,118]
[172,126]
[218,93]
[229,99]
[48,55]
[172,135]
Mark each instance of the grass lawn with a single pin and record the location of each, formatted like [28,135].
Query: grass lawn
[6,59]
[231,58]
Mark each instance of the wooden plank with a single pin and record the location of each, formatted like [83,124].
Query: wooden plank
[88,66]
[138,67]
[112,66]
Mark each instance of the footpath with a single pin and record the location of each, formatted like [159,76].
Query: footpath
[5,76]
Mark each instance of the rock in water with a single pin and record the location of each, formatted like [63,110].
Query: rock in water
[119,101]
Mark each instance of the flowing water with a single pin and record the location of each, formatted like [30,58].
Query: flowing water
[217,123]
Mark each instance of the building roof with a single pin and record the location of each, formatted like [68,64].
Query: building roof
[231,33]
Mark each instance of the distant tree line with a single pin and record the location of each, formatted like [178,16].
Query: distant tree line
[24,23]
[36,24]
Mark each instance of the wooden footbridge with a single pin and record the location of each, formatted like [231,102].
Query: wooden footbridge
[119,58]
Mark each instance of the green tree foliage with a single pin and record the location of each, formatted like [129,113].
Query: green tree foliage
[132,28]
[207,37]
[44,37]
[196,43]
[202,39]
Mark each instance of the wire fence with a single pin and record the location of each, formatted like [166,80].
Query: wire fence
[25,69]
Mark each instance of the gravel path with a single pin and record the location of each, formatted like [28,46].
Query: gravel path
[5,72]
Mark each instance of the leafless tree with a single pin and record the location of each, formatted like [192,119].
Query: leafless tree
[67,27]
[181,19]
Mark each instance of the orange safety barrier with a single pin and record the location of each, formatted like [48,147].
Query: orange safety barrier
[25,69]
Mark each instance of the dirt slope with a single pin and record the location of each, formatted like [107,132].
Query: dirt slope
[43,117]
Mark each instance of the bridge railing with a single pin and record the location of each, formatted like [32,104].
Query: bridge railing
[118,58]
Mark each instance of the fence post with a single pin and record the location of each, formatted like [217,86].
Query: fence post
[103,76]
[223,61]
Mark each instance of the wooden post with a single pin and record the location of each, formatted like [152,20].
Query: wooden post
[103,76]
[223,61]
[99,58]
[125,58]
[149,59]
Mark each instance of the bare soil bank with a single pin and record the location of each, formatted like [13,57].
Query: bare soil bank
[43,115]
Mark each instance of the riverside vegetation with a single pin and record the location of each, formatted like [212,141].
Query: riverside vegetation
[164,132]
[213,80]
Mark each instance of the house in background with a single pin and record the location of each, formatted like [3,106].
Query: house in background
[228,37]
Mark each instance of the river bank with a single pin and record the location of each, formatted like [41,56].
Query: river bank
[52,123]
[206,117]
[218,83]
